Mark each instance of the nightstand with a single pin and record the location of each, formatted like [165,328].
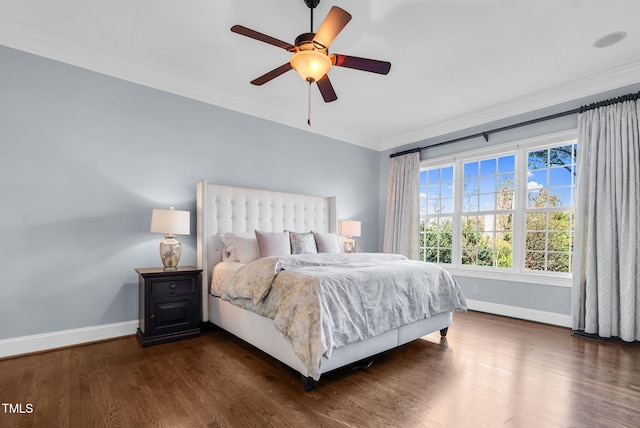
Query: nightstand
[169,305]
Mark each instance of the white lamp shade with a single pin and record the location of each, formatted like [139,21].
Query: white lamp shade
[349,228]
[170,222]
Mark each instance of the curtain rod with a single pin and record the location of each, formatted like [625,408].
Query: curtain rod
[485,134]
[621,99]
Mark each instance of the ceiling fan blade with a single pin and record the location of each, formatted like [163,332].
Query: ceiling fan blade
[239,29]
[272,74]
[364,64]
[335,21]
[326,89]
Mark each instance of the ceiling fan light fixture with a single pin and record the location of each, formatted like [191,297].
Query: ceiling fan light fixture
[311,65]
[311,58]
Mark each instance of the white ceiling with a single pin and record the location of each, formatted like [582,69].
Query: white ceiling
[456,63]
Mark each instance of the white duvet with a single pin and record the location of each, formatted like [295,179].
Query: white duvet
[320,302]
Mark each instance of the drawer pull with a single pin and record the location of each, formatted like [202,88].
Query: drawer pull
[152,316]
[172,286]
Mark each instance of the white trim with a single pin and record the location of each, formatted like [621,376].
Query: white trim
[520,313]
[529,277]
[585,86]
[136,70]
[548,140]
[58,339]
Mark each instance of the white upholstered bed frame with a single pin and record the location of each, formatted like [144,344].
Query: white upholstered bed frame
[224,209]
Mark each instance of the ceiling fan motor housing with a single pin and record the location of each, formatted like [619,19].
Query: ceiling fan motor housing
[305,42]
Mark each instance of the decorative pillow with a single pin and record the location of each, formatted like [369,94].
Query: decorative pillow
[273,243]
[327,242]
[239,247]
[302,243]
[225,244]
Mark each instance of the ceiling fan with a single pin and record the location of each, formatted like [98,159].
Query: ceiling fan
[311,58]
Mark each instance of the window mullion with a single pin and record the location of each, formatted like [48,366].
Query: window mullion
[519,215]
[458,181]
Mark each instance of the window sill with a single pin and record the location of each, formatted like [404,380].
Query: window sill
[560,280]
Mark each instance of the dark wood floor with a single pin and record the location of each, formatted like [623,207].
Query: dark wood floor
[490,371]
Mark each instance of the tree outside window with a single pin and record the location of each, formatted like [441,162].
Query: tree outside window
[550,203]
[482,208]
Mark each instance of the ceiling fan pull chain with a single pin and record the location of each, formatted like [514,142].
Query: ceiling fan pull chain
[309,106]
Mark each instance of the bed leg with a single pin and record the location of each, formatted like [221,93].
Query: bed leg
[307,382]
[443,332]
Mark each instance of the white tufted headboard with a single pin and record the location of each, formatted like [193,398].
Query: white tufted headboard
[222,209]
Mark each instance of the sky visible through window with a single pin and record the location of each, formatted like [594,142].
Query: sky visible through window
[552,171]
[490,198]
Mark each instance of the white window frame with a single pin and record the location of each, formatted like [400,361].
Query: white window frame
[441,215]
[520,148]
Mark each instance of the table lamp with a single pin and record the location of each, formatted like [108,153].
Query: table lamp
[171,222]
[349,228]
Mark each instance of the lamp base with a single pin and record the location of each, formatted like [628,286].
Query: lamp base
[349,245]
[170,252]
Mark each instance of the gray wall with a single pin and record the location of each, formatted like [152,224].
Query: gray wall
[85,158]
[547,298]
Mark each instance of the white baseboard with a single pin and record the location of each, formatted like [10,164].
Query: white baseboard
[59,339]
[521,313]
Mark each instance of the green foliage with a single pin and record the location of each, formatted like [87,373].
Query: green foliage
[487,240]
[477,246]
[548,237]
[436,241]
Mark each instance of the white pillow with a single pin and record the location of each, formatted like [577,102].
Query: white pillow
[239,247]
[327,242]
[273,244]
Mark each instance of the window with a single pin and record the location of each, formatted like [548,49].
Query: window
[487,212]
[501,209]
[551,179]
[436,204]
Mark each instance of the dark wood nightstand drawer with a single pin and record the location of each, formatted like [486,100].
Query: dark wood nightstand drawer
[177,286]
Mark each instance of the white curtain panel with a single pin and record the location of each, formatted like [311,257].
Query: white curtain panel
[402,224]
[606,272]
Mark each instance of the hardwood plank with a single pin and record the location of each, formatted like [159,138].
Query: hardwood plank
[489,371]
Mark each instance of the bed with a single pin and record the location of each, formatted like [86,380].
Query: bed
[227,210]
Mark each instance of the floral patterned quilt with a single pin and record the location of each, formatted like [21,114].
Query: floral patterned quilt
[321,302]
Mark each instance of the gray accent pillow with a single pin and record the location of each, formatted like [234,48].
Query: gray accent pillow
[302,243]
[273,243]
[327,242]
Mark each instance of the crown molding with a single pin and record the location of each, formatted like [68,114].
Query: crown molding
[574,90]
[136,70]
